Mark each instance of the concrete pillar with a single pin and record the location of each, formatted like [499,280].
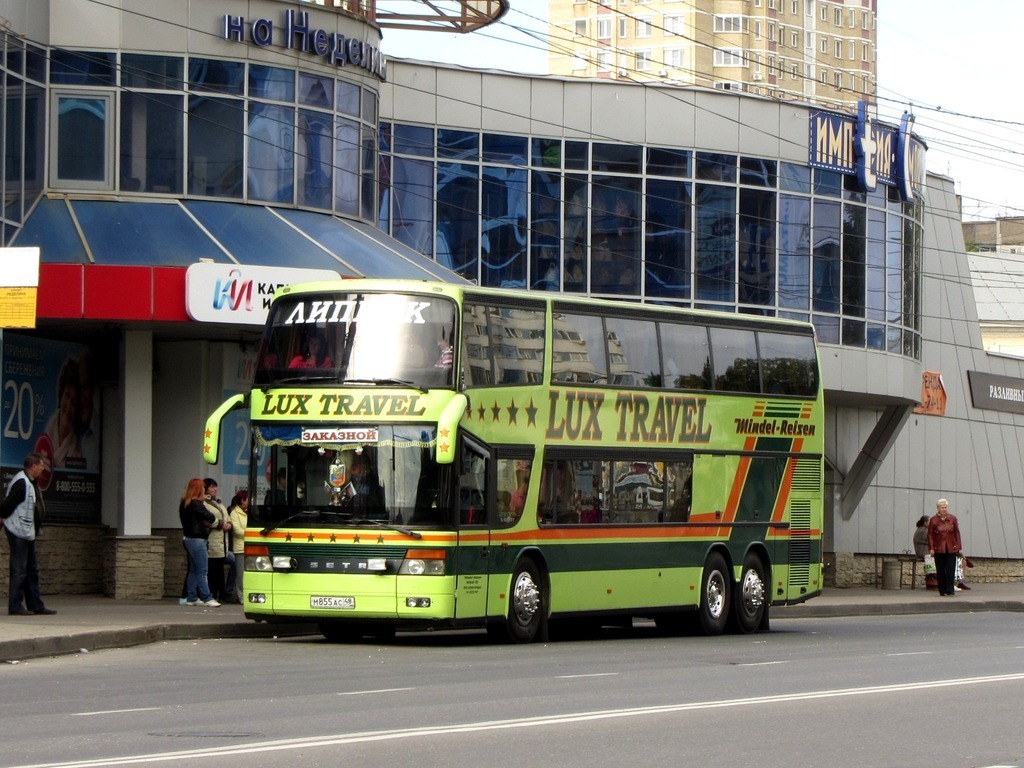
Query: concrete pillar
[136,479]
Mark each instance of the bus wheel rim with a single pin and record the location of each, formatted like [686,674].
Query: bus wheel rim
[716,595]
[752,591]
[525,598]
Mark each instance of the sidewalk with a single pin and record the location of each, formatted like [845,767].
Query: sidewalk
[91,622]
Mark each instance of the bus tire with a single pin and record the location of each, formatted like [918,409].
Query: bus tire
[750,605]
[715,595]
[527,603]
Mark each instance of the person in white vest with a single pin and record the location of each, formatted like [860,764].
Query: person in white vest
[22,511]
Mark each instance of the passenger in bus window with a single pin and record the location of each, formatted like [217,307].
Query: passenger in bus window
[315,354]
[518,500]
[446,354]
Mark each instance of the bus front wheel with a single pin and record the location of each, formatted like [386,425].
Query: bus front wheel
[715,595]
[750,606]
[526,603]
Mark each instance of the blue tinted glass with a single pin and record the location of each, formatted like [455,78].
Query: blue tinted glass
[142,71]
[576,154]
[616,158]
[81,68]
[253,235]
[668,162]
[757,172]
[271,83]
[547,153]
[414,140]
[347,101]
[216,75]
[363,249]
[499,148]
[827,182]
[314,158]
[158,234]
[36,69]
[316,91]
[794,178]
[716,167]
[371,106]
[464,145]
[51,228]
[271,152]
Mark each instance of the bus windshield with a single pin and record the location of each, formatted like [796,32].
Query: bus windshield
[332,477]
[388,339]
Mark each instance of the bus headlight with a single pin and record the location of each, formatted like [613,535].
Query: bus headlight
[423,563]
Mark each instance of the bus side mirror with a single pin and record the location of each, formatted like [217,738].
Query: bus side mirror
[211,438]
[448,428]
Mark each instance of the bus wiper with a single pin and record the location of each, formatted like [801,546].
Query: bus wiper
[298,380]
[389,526]
[389,383]
[279,523]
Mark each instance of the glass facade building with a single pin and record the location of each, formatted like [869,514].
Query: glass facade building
[662,224]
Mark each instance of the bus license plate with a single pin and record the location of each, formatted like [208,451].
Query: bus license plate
[344,603]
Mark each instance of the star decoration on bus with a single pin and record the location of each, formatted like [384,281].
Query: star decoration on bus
[480,412]
[380,538]
[288,536]
[513,412]
[355,539]
[333,539]
[310,538]
[495,411]
[531,414]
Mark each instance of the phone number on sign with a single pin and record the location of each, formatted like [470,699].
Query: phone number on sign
[75,486]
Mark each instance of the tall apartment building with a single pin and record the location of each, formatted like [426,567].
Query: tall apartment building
[817,51]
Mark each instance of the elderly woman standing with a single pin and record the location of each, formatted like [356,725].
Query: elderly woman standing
[945,545]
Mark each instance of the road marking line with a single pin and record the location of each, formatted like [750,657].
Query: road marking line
[528,722]
[113,711]
[594,674]
[910,653]
[378,690]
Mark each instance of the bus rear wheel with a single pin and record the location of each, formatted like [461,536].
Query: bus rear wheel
[526,603]
[715,595]
[750,606]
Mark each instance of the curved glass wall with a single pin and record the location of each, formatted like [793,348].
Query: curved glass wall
[184,126]
[707,230]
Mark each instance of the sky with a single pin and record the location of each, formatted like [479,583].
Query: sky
[952,65]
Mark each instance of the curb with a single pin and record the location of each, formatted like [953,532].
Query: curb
[62,645]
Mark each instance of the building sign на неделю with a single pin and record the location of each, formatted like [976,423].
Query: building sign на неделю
[872,151]
[996,393]
[296,33]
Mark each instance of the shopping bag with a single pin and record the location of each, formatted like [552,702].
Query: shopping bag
[929,565]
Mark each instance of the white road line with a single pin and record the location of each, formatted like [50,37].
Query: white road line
[113,711]
[594,674]
[910,653]
[760,663]
[378,690]
[528,722]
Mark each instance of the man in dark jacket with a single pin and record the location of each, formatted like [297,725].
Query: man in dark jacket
[22,511]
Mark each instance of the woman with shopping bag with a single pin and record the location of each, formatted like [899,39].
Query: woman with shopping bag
[931,581]
[945,545]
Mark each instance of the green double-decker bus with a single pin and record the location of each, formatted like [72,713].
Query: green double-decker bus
[429,455]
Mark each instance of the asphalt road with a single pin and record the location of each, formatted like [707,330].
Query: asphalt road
[887,691]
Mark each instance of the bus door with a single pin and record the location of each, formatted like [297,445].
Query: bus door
[474,550]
